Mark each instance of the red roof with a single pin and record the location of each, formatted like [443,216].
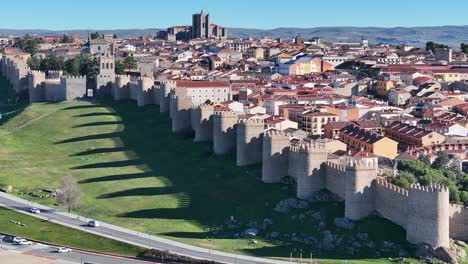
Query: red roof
[201,84]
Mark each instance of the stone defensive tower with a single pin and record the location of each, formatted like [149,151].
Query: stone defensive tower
[249,141]
[164,104]
[428,215]
[359,192]
[181,110]
[36,86]
[202,122]
[145,92]
[275,156]
[224,132]
[305,165]
[73,87]
[122,87]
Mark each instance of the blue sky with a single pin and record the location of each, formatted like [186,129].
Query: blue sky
[265,14]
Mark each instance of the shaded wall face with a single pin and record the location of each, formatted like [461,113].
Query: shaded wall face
[459,222]
[275,158]
[359,194]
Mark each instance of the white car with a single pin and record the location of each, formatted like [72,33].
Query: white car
[35,210]
[93,223]
[63,250]
[23,242]
[17,239]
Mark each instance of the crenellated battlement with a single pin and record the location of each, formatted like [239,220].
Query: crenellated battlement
[36,72]
[383,183]
[72,77]
[146,78]
[53,81]
[431,188]
[105,76]
[361,164]
[206,107]
[122,76]
[336,166]
[251,121]
[226,114]
[307,147]
[277,133]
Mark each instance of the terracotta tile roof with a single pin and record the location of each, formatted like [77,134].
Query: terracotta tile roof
[201,84]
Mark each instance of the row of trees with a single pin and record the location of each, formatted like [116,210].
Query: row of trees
[28,44]
[443,171]
[97,35]
[464,48]
[82,64]
[431,46]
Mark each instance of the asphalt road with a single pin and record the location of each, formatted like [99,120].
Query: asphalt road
[131,237]
[48,252]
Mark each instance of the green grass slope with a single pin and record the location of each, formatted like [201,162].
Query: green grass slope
[135,173]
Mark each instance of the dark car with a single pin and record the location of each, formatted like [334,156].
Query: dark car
[8,239]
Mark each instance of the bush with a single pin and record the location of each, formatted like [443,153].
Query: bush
[416,171]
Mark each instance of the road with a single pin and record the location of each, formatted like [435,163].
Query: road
[39,251]
[129,236]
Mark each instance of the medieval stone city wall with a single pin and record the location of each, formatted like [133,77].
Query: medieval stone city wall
[424,211]
[275,156]
[122,87]
[74,87]
[305,165]
[459,222]
[164,100]
[15,70]
[335,178]
[224,132]
[249,141]
[145,91]
[391,201]
[180,107]
[104,85]
[202,122]
[428,215]
[36,86]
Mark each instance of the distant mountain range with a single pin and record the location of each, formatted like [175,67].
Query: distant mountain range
[417,36]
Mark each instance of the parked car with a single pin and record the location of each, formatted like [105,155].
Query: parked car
[35,210]
[63,250]
[8,239]
[17,239]
[23,242]
[93,223]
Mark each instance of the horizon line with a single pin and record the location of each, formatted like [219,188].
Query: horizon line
[264,29]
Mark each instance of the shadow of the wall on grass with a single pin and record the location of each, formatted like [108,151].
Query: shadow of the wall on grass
[119,177]
[209,189]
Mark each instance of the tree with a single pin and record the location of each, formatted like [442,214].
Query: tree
[464,197]
[431,46]
[28,44]
[114,36]
[34,63]
[404,179]
[52,63]
[90,68]
[423,158]
[69,194]
[464,48]
[441,161]
[66,39]
[95,35]
[130,63]
[119,67]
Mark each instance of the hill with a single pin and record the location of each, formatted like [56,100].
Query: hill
[417,36]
